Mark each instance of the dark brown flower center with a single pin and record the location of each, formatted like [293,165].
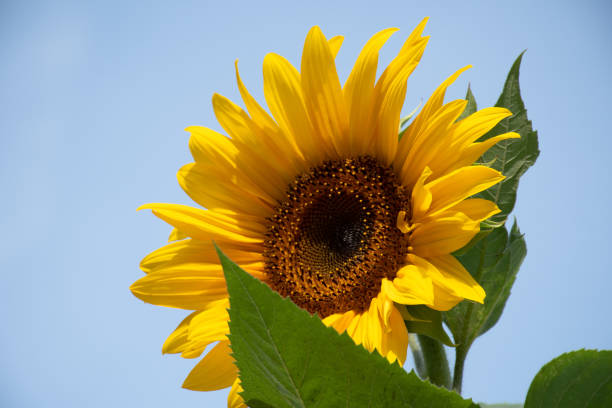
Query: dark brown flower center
[334,238]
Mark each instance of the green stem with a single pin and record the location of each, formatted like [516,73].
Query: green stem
[436,364]
[462,349]
[460,355]
[417,355]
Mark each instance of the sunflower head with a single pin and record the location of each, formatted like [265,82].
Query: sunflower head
[319,198]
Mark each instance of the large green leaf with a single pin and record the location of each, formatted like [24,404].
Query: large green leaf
[513,156]
[580,379]
[288,358]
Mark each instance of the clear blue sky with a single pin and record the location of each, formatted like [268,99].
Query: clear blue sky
[95,96]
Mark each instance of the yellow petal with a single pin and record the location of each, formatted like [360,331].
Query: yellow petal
[234,400]
[216,370]
[232,118]
[430,144]
[250,158]
[339,321]
[461,184]
[421,196]
[385,307]
[413,136]
[188,275]
[322,91]
[414,38]
[177,235]
[371,331]
[373,327]
[165,254]
[477,209]
[359,330]
[334,44]
[283,93]
[214,188]
[278,144]
[433,104]
[206,145]
[259,115]
[449,273]
[402,223]
[185,286]
[460,150]
[475,150]
[390,91]
[206,327]
[181,342]
[359,93]
[391,102]
[395,339]
[444,300]
[239,163]
[411,286]
[410,54]
[443,236]
[206,224]
[355,328]
[176,342]
[477,124]
[190,251]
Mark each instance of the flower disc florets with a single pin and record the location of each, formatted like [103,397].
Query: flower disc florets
[334,238]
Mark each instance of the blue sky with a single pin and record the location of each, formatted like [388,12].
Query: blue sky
[95,97]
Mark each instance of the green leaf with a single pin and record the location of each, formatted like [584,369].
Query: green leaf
[426,321]
[288,358]
[494,262]
[493,257]
[498,281]
[580,378]
[513,156]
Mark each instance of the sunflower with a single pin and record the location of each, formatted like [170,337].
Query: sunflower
[323,202]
